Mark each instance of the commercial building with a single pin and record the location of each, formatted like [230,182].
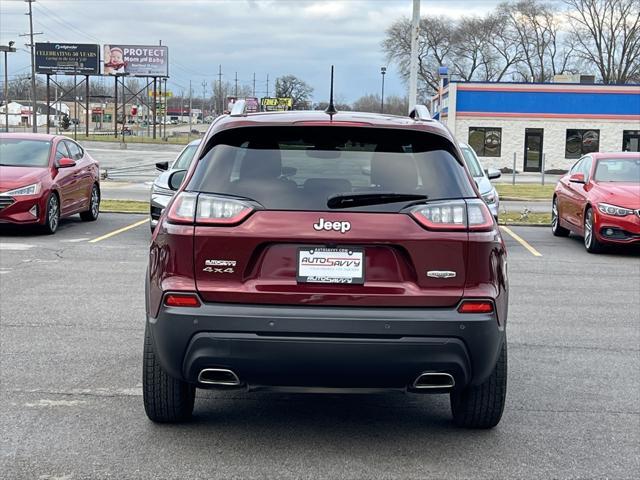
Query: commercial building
[558,120]
[20,114]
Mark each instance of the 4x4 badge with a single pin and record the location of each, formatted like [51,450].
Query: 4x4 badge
[441,274]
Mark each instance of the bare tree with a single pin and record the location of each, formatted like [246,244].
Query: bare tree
[471,56]
[545,50]
[296,89]
[504,43]
[607,36]
[393,104]
[434,49]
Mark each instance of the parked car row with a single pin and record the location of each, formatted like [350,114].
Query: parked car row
[599,199]
[44,178]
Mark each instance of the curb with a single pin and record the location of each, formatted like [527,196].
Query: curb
[124,212]
[522,224]
[519,199]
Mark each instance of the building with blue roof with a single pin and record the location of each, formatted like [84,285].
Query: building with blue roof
[561,121]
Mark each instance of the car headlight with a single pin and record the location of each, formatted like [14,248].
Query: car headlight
[614,210]
[157,189]
[28,190]
[491,197]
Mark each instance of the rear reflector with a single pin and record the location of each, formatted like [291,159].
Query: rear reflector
[181,300]
[476,306]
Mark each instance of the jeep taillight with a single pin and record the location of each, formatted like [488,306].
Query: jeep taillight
[183,208]
[454,215]
[215,210]
[207,209]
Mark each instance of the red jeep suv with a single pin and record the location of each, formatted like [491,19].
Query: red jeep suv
[312,252]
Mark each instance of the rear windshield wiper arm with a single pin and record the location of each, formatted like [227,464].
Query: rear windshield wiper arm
[347,200]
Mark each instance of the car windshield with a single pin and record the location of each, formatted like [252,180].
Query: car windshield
[618,170]
[18,152]
[184,160]
[472,162]
[300,168]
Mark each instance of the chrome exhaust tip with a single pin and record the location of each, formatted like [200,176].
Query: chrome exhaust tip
[433,380]
[218,376]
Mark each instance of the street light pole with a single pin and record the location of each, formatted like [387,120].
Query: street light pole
[34,111]
[413,65]
[6,49]
[383,71]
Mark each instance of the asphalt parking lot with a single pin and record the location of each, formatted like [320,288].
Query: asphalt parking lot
[71,332]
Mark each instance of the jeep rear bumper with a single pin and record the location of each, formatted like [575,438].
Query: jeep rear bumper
[331,347]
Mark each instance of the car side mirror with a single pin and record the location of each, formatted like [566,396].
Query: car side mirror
[66,163]
[162,166]
[176,178]
[577,178]
[493,173]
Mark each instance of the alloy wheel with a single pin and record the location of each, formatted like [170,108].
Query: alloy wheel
[95,203]
[588,228]
[53,213]
[554,214]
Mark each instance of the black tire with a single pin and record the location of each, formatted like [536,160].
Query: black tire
[52,215]
[165,398]
[556,228]
[91,215]
[591,243]
[481,406]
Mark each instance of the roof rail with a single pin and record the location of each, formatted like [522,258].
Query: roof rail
[239,109]
[420,112]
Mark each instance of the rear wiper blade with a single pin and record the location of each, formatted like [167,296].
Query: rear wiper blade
[347,200]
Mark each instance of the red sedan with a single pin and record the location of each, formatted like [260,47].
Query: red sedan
[44,178]
[599,198]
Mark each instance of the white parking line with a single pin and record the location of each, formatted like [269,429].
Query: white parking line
[521,241]
[16,246]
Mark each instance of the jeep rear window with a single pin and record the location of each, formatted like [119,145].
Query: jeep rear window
[299,168]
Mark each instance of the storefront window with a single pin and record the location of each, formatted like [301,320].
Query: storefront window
[486,141]
[631,141]
[581,142]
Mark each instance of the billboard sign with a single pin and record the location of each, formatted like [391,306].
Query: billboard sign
[271,104]
[136,60]
[252,103]
[67,58]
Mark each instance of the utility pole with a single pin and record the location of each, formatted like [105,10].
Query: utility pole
[189,136]
[235,91]
[383,71]
[8,49]
[413,72]
[254,84]
[75,109]
[166,106]
[204,92]
[220,90]
[267,85]
[34,112]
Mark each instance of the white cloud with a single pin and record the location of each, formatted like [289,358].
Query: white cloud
[274,37]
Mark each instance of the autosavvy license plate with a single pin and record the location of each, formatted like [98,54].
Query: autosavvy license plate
[330,265]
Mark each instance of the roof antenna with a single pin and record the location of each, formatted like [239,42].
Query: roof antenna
[331,109]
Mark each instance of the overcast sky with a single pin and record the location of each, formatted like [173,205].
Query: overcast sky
[275,37]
